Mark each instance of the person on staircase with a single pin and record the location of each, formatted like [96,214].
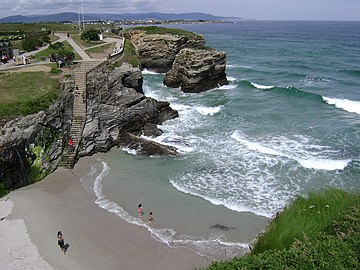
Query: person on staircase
[71,144]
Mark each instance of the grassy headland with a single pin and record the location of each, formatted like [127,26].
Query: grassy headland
[321,231]
[163,30]
[26,93]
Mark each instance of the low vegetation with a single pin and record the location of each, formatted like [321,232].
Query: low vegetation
[26,93]
[321,231]
[100,49]
[91,35]
[163,30]
[30,27]
[85,43]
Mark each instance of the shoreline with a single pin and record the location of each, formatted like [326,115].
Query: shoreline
[98,239]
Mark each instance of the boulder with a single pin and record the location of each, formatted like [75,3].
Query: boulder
[197,70]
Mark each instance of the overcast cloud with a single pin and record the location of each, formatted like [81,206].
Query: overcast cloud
[247,9]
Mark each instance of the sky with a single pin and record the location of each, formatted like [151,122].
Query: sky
[247,9]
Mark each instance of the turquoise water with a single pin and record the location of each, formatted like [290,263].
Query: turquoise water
[288,122]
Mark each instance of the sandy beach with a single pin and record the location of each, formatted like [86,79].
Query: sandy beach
[98,239]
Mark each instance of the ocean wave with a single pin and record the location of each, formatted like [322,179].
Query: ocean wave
[213,247]
[208,110]
[231,79]
[149,72]
[264,87]
[287,90]
[345,104]
[256,85]
[234,66]
[324,164]
[354,72]
[308,160]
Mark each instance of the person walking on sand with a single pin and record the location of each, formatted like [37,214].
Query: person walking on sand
[140,210]
[151,217]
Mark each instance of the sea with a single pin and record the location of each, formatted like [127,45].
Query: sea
[287,123]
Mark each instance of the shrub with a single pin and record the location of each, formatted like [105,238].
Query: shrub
[91,35]
[55,71]
[31,42]
[3,191]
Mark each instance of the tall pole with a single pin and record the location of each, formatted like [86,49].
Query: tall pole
[82,10]
[79,19]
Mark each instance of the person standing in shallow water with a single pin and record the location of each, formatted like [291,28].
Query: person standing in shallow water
[140,210]
[151,217]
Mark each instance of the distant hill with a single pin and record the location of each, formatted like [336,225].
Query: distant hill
[71,16]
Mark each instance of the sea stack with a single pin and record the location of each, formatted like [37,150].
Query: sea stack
[197,70]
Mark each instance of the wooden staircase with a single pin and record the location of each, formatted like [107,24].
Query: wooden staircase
[69,156]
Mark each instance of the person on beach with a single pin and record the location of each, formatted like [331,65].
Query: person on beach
[151,217]
[140,210]
[61,242]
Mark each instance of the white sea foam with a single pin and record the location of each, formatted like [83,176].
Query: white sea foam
[181,144]
[232,66]
[262,87]
[231,79]
[208,110]
[345,104]
[323,164]
[129,151]
[294,151]
[146,71]
[227,87]
[210,247]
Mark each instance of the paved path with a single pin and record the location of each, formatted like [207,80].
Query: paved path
[76,47]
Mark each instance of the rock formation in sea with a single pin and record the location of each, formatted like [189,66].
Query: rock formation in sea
[197,70]
[118,114]
[157,52]
[185,59]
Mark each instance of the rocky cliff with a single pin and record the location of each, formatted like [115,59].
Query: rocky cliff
[197,70]
[117,115]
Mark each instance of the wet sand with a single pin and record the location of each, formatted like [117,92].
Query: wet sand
[98,239]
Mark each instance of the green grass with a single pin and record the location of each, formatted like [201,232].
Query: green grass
[305,216]
[85,44]
[163,30]
[29,27]
[100,49]
[46,53]
[26,93]
[321,237]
